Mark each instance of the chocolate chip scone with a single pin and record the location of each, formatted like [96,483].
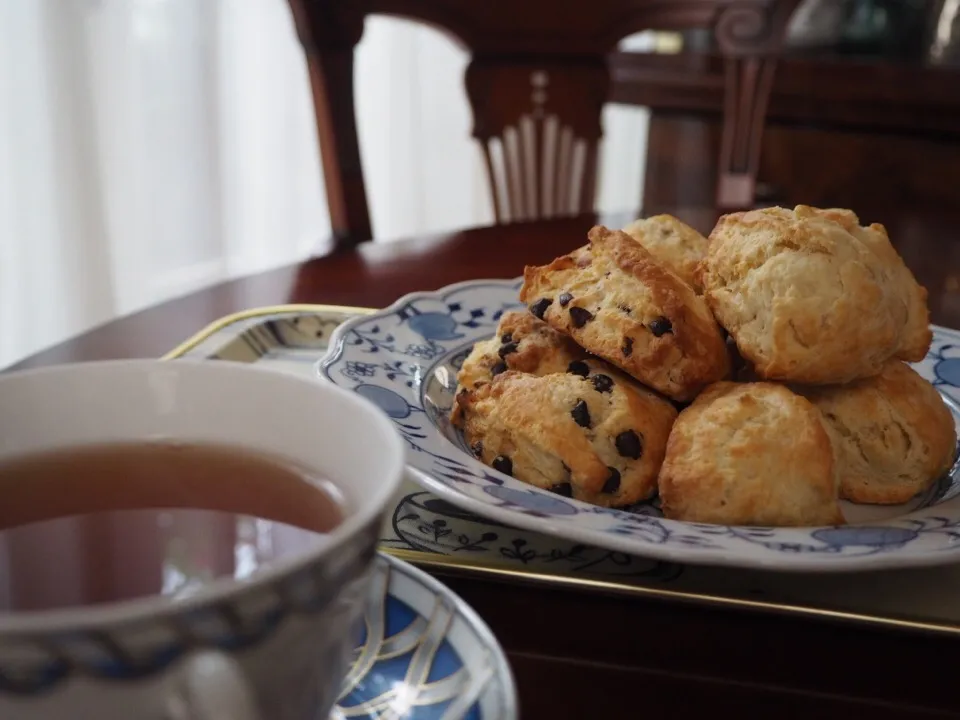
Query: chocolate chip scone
[522,343]
[675,244]
[592,433]
[812,297]
[618,302]
[750,454]
[893,432]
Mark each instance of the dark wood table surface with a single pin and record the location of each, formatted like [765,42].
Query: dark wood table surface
[579,654]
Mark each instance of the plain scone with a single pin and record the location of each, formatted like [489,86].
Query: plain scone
[618,302]
[750,454]
[592,434]
[812,297]
[893,432]
[674,243]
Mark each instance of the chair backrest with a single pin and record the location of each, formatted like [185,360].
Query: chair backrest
[537,82]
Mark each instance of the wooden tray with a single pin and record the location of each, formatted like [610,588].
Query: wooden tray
[431,533]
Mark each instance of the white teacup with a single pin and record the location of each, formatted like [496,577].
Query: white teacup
[274,645]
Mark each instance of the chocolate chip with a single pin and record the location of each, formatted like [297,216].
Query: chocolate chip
[506,338]
[624,309]
[629,444]
[602,383]
[477,449]
[510,347]
[578,367]
[500,367]
[540,307]
[627,348]
[580,316]
[565,299]
[613,482]
[503,464]
[564,489]
[581,414]
[660,326]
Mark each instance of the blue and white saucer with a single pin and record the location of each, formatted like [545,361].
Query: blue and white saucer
[425,655]
[405,359]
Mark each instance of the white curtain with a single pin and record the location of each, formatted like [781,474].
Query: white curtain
[151,147]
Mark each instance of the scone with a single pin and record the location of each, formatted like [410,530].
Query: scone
[675,244]
[522,343]
[618,302]
[809,296]
[592,433]
[918,335]
[894,434]
[750,454]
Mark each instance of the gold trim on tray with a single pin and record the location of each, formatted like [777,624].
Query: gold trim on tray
[451,565]
[227,320]
[444,562]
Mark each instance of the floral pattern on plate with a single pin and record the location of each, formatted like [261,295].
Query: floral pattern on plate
[405,359]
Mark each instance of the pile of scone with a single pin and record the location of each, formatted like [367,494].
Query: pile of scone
[754,378]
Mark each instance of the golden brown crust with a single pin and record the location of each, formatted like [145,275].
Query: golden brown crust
[894,434]
[750,454]
[597,440]
[812,297]
[917,335]
[521,343]
[629,309]
[673,243]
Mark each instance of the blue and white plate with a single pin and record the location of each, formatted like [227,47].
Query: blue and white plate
[425,655]
[405,359]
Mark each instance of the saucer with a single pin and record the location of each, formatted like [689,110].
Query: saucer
[424,654]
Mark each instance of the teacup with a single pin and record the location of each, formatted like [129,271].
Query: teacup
[273,645]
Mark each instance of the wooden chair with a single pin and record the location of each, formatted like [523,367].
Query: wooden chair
[537,82]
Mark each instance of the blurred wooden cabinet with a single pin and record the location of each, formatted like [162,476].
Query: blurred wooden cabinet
[839,132]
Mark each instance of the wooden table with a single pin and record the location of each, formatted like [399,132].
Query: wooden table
[577,654]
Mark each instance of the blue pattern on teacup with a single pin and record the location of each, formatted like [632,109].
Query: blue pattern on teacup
[421,653]
[412,351]
[122,653]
